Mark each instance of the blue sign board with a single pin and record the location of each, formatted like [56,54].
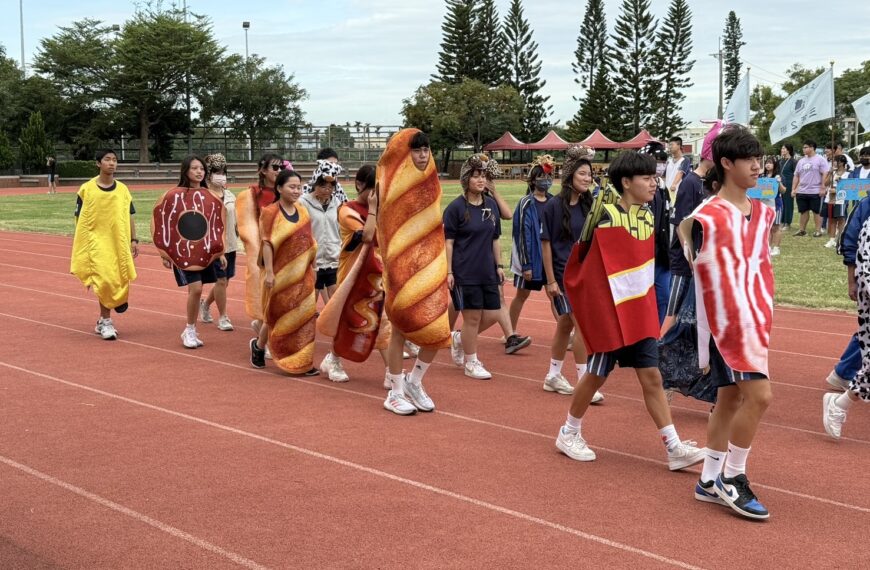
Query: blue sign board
[766,189]
[853,188]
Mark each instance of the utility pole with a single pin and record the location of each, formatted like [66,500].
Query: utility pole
[718,56]
[187,97]
[21,21]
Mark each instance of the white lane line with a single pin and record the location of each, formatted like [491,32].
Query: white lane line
[461,417]
[135,515]
[350,465]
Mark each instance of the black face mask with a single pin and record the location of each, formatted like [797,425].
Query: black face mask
[865,161]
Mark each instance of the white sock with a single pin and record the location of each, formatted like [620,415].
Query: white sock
[397,383]
[572,424]
[581,370]
[555,367]
[713,461]
[469,358]
[191,327]
[843,401]
[736,463]
[417,373]
[670,437]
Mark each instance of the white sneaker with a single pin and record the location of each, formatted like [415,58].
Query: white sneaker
[831,243]
[574,446]
[558,384]
[477,371]
[597,397]
[684,455]
[188,338]
[416,394]
[99,328]
[198,340]
[456,352]
[108,331]
[204,313]
[833,416]
[411,348]
[837,382]
[336,371]
[399,404]
[774,251]
[225,324]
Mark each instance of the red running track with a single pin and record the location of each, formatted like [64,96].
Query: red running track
[139,453]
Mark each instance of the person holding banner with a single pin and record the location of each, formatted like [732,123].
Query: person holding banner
[808,178]
[835,202]
[771,171]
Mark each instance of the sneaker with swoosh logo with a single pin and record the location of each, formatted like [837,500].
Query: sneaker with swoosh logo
[737,494]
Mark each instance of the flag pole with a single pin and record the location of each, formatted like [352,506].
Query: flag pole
[833,115]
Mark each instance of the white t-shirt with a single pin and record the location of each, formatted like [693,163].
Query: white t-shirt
[675,165]
[865,172]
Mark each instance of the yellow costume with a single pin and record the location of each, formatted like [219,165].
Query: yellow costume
[101,256]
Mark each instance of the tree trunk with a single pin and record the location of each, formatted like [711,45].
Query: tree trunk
[144,128]
[445,160]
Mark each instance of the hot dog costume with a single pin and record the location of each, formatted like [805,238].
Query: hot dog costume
[101,257]
[353,316]
[249,204]
[289,306]
[411,235]
[612,266]
[187,226]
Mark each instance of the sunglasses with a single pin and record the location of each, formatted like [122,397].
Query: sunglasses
[277,167]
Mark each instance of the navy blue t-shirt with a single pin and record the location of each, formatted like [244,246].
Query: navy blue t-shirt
[689,196]
[551,230]
[540,206]
[472,235]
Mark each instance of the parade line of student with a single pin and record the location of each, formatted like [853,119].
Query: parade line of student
[620,262]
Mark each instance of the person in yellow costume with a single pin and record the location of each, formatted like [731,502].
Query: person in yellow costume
[105,241]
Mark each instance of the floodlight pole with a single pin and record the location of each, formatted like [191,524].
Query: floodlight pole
[21,22]
[718,56]
[246,26]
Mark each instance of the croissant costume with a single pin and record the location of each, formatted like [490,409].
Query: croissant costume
[249,203]
[289,306]
[411,236]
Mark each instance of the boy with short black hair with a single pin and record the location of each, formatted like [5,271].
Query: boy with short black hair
[615,274]
[105,241]
[678,166]
[734,296]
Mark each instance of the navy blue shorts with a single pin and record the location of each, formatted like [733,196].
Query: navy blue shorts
[642,354]
[521,283]
[476,297]
[230,271]
[326,277]
[185,278]
[723,375]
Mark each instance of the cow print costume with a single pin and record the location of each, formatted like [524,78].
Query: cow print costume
[860,386]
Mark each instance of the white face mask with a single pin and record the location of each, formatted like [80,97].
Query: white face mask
[219,180]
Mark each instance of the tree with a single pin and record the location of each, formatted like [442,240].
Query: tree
[7,157]
[151,80]
[671,54]
[33,145]
[591,52]
[732,41]
[596,111]
[461,49]
[490,69]
[10,80]
[763,101]
[633,67]
[525,72]
[468,113]
[254,99]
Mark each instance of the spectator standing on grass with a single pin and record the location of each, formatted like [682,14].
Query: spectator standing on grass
[834,208]
[787,165]
[809,187]
[51,163]
[216,178]
[678,166]
[771,171]
[838,151]
[105,242]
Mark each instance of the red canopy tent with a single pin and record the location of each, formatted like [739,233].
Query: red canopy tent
[638,141]
[506,142]
[551,141]
[598,141]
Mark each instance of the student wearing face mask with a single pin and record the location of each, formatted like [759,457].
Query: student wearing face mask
[661,209]
[216,178]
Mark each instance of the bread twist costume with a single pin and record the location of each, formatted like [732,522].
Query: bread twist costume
[411,235]
[289,305]
[249,203]
[187,226]
[101,257]
[353,315]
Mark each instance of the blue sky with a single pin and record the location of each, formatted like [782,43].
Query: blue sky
[359,58]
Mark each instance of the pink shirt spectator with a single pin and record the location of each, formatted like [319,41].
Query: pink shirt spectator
[812,172]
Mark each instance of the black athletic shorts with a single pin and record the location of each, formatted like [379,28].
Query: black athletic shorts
[476,297]
[326,277]
[642,354]
[184,278]
[808,203]
[230,271]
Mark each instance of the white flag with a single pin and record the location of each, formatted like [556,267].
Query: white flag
[812,102]
[862,110]
[737,110]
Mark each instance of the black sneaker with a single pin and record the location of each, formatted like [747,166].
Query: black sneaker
[516,342]
[737,494]
[258,355]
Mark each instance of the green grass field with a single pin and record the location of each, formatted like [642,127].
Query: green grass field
[807,274]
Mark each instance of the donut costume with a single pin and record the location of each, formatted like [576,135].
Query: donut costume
[353,316]
[411,235]
[249,204]
[101,257]
[289,305]
[187,227]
